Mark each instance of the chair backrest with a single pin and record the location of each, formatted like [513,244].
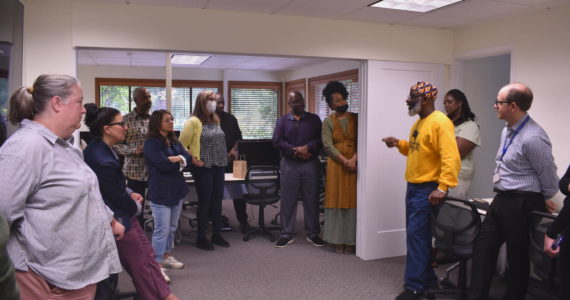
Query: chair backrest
[545,267]
[262,182]
[455,224]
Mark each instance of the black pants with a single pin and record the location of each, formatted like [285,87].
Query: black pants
[506,221]
[140,188]
[564,261]
[210,189]
[240,208]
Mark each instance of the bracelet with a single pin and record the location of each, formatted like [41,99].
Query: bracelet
[445,192]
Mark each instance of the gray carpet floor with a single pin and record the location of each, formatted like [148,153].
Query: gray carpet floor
[257,270]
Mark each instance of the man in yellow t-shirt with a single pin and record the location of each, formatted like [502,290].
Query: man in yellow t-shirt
[432,167]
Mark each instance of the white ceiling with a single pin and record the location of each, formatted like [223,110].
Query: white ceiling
[453,16]
[99,57]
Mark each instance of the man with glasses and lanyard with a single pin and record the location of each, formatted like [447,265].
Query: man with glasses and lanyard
[524,178]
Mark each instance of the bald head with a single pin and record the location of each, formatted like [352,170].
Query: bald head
[141,96]
[518,93]
[296,102]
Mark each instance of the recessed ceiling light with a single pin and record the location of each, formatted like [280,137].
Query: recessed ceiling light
[413,5]
[184,59]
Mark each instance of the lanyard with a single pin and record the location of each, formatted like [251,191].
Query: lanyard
[505,145]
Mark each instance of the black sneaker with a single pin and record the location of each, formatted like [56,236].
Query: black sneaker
[283,242]
[225,225]
[203,243]
[411,295]
[316,241]
[218,240]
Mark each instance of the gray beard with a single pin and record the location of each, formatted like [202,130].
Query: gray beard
[415,110]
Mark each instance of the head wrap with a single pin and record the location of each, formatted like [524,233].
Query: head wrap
[425,88]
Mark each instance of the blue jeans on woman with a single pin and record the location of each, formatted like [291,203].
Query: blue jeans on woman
[419,275]
[165,224]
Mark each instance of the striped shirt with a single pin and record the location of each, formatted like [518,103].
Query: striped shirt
[528,164]
[213,146]
[137,128]
[60,226]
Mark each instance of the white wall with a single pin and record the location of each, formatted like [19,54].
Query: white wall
[178,28]
[381,224]
[322,69]
[48,46]
[481,80]
[540,43]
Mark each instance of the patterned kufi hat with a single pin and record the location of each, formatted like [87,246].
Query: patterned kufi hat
[425,88]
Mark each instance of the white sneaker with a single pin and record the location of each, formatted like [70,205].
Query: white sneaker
[171,263]
[163,272]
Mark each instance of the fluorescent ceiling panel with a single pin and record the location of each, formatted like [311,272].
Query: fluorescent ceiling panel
[183,59]
[414,5]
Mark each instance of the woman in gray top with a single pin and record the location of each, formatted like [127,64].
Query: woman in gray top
[61,230]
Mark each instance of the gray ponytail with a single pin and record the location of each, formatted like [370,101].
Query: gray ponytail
[27,102]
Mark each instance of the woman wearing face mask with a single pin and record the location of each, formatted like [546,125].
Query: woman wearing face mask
[339,141]
[205,139]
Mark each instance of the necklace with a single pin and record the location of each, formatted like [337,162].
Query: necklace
[417,129]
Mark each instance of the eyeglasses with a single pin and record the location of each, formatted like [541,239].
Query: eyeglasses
[122,124]
[168,120]
[497,102]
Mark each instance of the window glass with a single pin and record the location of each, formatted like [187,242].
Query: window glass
[256,110]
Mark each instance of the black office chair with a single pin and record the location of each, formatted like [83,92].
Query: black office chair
[262,185]
[455,224]
[545,267]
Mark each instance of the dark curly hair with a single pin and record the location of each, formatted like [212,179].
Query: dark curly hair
[97,118]
[466,113]
[334,87]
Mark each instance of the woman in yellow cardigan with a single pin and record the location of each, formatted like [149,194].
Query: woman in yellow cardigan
[205,139]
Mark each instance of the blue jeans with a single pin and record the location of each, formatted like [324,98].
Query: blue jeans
[419,275]
[165,223]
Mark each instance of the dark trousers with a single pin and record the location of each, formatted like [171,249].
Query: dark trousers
[137,257]
[304,178]
[140,188]
[210,190]
[506,221]
[419,274]
[564,262]
[240,208]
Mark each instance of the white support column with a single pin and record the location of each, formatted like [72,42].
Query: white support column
[168,67]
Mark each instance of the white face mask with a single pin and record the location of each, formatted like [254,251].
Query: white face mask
[212,106]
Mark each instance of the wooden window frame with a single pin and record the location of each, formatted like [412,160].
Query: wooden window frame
[345,75]
[153,83]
